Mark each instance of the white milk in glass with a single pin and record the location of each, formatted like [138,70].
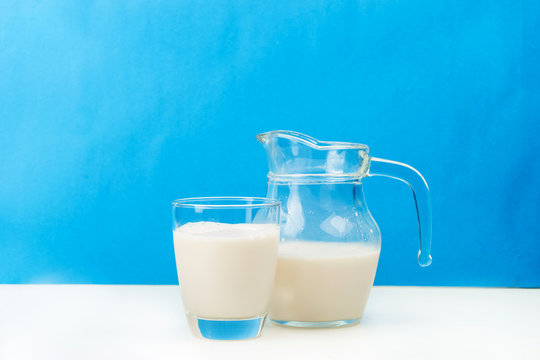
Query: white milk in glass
[322,281]
[226,271]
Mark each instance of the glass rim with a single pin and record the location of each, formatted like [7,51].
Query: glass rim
[226,202]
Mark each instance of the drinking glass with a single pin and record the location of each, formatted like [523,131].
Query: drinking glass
[226,257]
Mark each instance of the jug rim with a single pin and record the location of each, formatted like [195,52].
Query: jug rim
[310,141]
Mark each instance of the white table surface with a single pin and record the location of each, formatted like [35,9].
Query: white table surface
[147,322]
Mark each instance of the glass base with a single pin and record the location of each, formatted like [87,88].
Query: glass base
[226,329]
[318,324]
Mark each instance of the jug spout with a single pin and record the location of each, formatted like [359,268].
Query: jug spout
[292,136]
[290,153]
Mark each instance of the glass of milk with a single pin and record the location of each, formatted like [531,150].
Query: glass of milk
[226,255]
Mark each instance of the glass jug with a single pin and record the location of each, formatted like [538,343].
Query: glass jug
[329,243]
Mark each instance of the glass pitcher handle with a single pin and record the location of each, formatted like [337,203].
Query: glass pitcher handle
[422,198]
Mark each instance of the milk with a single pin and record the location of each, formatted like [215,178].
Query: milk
[226,271]
[322,281]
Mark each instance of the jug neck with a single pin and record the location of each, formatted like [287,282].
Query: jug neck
[327,193]
[314,179]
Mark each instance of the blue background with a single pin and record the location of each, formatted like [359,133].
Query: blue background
[111,109]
